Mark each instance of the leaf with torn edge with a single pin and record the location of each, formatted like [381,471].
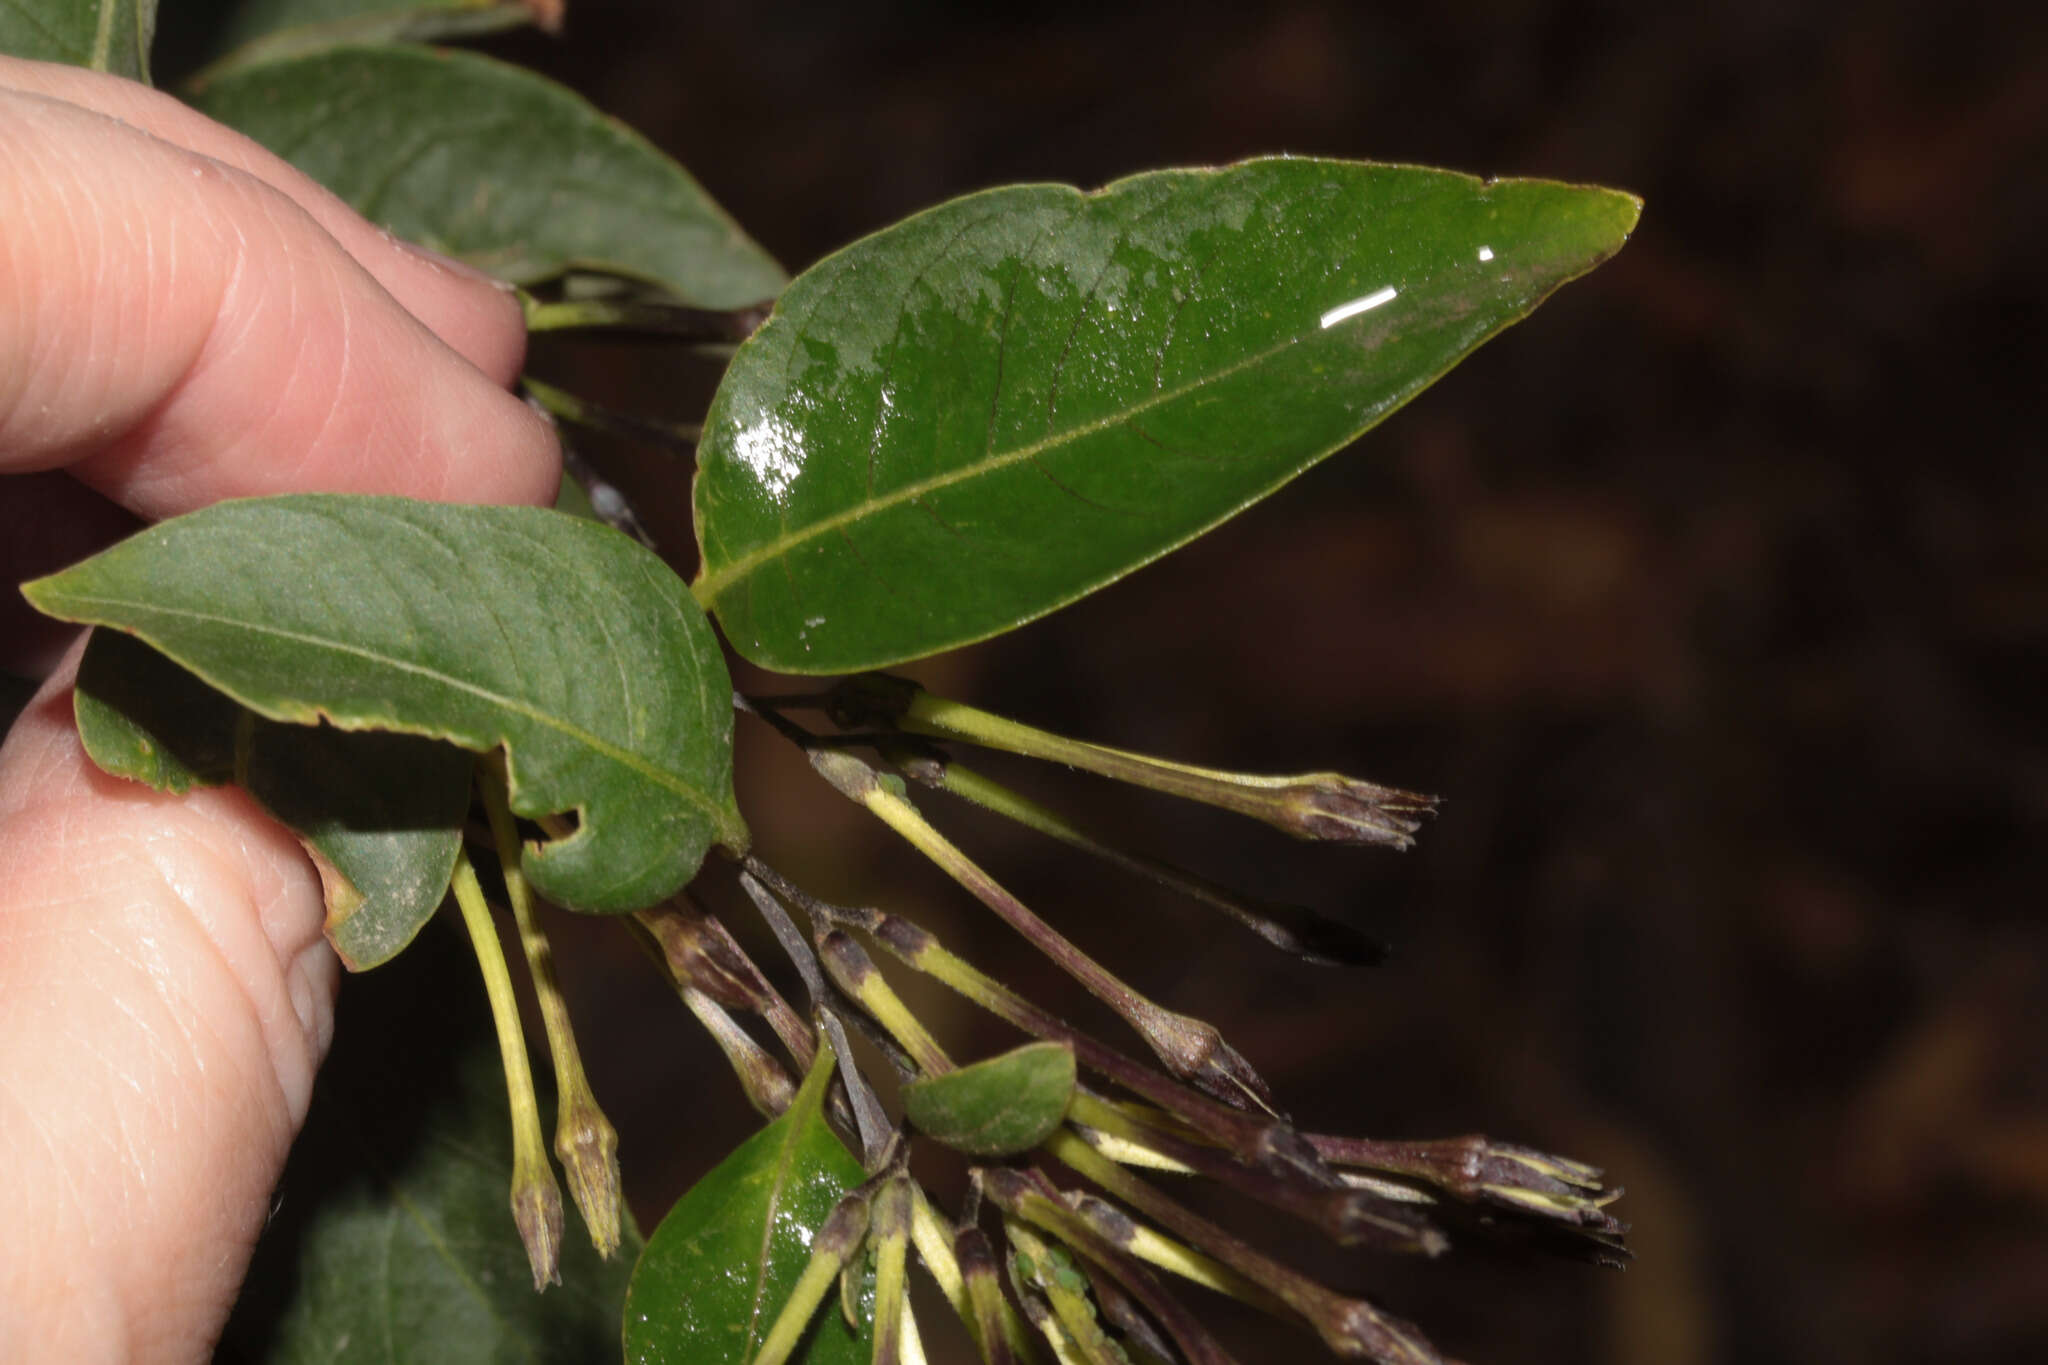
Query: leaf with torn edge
[380,813]
[573,648]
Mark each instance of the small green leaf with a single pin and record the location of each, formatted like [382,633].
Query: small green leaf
[105,35]
[270,30]
[574,500]
[494,164]
[393,1241]
[381,813]
[1007,402]
[999,1107]
[563,641]
[718,1269]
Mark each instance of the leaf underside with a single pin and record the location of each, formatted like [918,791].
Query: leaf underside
[103,35]
[564,642]
[1011,400]
[381,813]
[260,31]
[491,163]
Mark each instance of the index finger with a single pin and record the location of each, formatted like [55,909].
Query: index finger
[181,331]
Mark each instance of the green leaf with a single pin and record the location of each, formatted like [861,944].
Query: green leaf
[106,35]
[998,1107]
[563,641]
[573,499]
[381,813]
[393,1240]
[270,30]
[1007,402]
[494,164]
[719,1267]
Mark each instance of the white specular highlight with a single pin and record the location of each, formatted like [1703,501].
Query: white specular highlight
[1359,305]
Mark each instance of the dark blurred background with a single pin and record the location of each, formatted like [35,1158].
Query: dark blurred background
[1714,599]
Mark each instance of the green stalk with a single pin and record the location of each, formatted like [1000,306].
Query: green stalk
[1350,1327]
[837,1240]
[1253,1138]
[935,1249]
[889,1234]
[1024,1283]
[536,1199]
[1190,1048]
[676,438]
[999,1332]
[1296,929]
[585,1140]
[767,1086]
[700,951]
[1053,1273]
[1324,806]
[855,973]
[1479,1170]
[1027,1197]
[641,317]
[1349,1217]
[876,1132]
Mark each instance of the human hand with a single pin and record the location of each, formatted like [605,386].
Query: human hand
[183,318]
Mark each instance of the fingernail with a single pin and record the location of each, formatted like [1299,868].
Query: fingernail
[448,264]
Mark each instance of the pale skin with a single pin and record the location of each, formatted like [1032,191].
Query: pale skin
[183,318]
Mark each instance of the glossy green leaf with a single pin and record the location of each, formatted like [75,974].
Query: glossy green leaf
[261,31]
[393,1240]
[381,813]
[998,1107]
[1004,403]
[717,1270]
[105,35]
[563,641]
[494,164]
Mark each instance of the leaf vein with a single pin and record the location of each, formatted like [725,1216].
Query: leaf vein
[625,758]
[711,583]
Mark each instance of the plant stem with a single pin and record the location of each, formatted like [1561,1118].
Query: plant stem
[698,949]
[1478,1168]
[641,317]
[536,1199]
[1253,1138]
[935,1249]
[676,438]
[767,1086]
[1029,1197]
[1296,929]
[1001,1334]
[889,1233]
[585,1140]
[1349,1217]
[838,1238]
[1060,1281]
[1326,805]
[1190,1048]
[855,973]
[1350,1327]
[869,1116]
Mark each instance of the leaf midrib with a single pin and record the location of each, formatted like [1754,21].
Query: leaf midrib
[625,758]
[710,585]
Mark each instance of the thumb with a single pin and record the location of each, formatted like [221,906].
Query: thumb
[165,998]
